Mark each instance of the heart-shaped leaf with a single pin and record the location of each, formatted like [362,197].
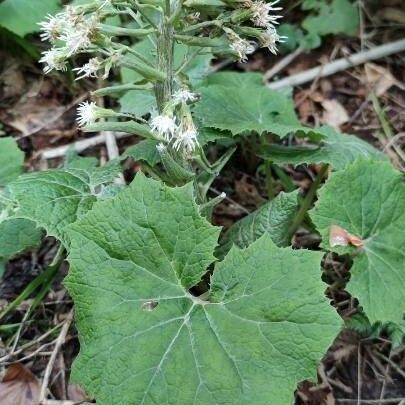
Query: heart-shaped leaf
[366,201]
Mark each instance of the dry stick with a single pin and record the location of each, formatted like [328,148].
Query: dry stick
[59,342]
[340,64]
[279,66]
[79,146]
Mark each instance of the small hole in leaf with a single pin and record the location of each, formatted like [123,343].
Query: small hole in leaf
[149,305]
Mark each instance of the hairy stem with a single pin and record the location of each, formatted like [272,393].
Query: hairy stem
[165,51]
[307,201]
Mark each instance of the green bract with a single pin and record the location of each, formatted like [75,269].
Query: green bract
[145,339]
[368,201]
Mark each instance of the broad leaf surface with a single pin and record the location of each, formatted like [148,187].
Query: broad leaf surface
[59,197]
[22,16]
[17,235]
[336,149]
[368,200]
[233,79]
[12,159]
[274,217]
[146,340]
[253,108]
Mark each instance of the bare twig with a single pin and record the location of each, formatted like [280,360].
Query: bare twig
[283,63]
[340,64]
[79,146]
[59,342]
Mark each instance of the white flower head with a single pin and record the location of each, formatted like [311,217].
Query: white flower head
[261,10]
[186,138]
[90,69]
[242,47]
[51,28]
[164,125]
[54,59]
[161,147]
[270,40]
[184,95]
[86,113]
[76,38]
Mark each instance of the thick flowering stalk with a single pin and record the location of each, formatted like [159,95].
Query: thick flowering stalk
[236,28]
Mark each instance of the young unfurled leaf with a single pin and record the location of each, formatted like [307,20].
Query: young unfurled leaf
[59,197]
[336,149]
[146,340]
[12,159]
[275,217]
[367,201]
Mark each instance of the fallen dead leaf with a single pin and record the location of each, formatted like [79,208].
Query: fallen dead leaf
[19,386]
[340,237]
[392,14]
[379,78]
[334,113]
[76,393]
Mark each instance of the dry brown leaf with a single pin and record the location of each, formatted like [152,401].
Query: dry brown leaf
[392,14]
[335,114]
[340,237]
[76,393]
[379,78]
[19,386]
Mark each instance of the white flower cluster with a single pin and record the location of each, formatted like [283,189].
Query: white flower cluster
[242,47]
[262,13]
[183,136]
[262,17]
[76,33]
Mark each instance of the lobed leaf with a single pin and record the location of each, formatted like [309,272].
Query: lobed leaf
[253,108]
[59,197]
[274,217]
[146,340]
[367,199]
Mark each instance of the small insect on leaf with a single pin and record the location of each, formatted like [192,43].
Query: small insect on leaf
[149,305]
[340,237]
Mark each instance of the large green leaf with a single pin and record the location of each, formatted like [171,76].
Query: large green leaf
[274,217]
[233,79]
[254,108]
[338,17]
[11,160]
[146,340]
[336,149]
[23,16]
[367,199]
[59,197]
